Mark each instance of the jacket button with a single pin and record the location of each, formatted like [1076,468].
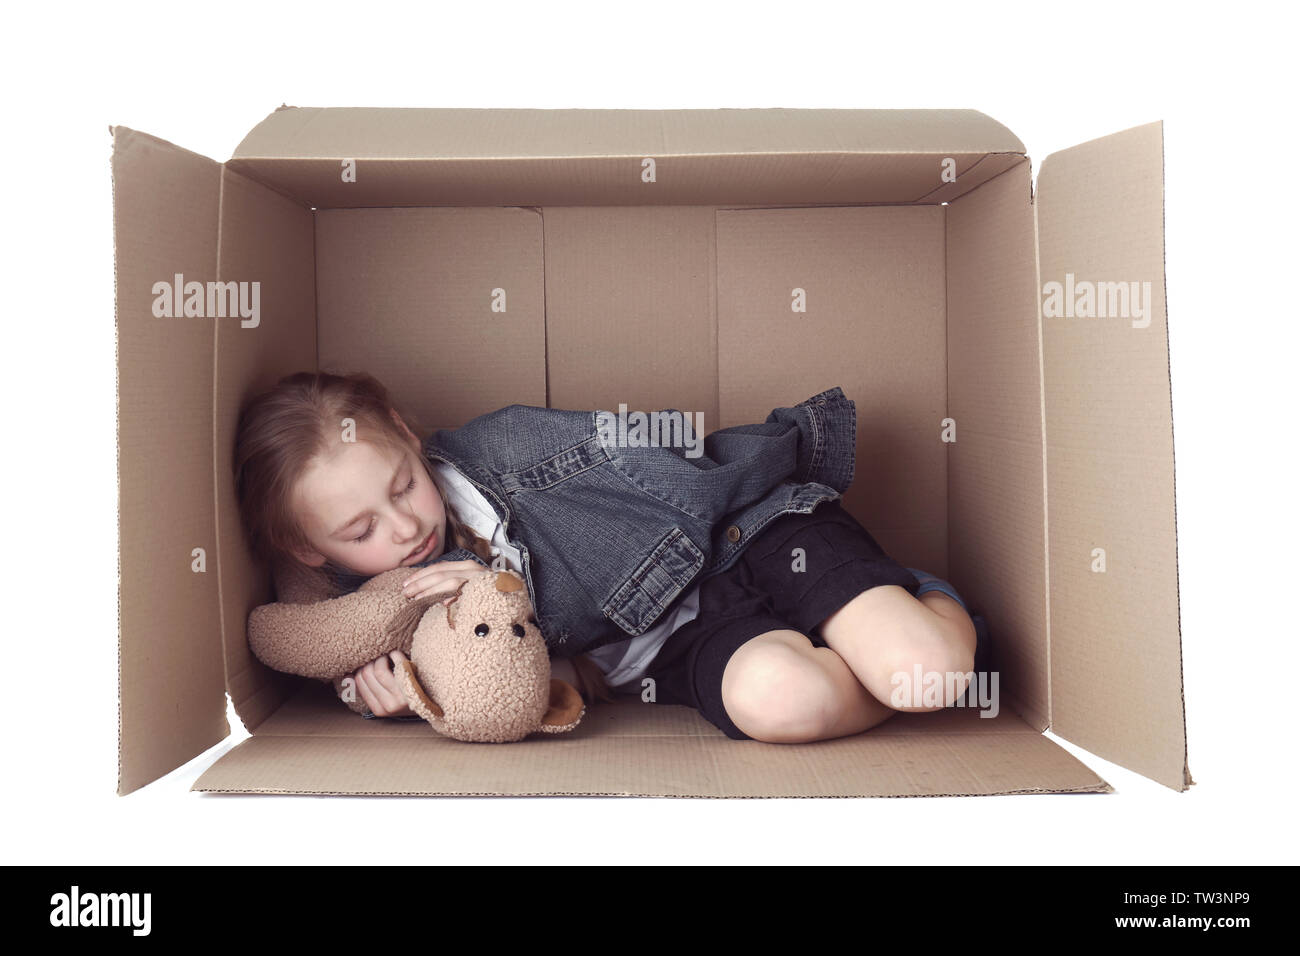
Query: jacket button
[733,533]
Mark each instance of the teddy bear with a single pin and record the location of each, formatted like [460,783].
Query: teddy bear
[494,686]
[479,669]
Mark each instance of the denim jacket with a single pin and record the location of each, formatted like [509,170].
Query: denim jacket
[611,535]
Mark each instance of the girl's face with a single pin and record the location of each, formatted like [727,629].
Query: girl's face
[370,510]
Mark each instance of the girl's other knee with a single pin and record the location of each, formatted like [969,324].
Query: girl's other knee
[886,634]
[775,689]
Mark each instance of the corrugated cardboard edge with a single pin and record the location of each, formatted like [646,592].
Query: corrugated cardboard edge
[117,446]
[1042,414]
[1103,788]
[1173,446]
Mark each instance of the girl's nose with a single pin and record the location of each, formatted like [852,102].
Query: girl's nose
[406,523]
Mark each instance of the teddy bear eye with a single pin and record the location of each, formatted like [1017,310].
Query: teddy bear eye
[518,629]
[481,630]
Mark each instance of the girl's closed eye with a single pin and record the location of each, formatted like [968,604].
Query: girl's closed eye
[410,486]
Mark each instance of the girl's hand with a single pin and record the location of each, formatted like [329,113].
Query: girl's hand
[378,686]
[445,576]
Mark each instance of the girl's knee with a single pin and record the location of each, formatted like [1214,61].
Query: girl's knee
[954,625]
[940,663]
[775,689]
[887,636]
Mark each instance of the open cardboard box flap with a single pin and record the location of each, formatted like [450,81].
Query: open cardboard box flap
[1052,512]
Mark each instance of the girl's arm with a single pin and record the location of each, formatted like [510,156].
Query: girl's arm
[331,637]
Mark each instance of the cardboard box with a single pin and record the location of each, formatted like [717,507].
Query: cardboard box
[652,257]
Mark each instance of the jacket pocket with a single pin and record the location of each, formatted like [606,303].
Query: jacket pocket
[639,601]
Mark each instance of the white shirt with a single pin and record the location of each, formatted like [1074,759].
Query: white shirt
[624,662]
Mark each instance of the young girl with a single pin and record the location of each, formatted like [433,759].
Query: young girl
[334,487]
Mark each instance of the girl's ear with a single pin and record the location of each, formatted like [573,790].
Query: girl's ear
[402,425]
[313,559]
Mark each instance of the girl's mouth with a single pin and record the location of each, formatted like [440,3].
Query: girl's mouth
[426,546]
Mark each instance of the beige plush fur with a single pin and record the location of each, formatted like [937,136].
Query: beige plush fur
[479,668]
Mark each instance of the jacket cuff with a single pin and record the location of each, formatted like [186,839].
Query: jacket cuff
[828,437]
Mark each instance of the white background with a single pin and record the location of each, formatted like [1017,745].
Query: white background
[201,77]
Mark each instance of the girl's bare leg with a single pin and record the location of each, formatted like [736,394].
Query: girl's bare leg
[884,631]
[779,688]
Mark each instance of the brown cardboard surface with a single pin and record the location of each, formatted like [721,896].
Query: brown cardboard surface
[1116,648]
[530,157]
[170,675]
[631,748]
[995,494]
[264,238]
[387,133]
[872,279]
[413,296]
[767,179]
[973,176]
[630,308]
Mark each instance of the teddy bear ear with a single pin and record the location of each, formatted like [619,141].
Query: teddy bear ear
[452,599]
[400,628]
[565,709]
[415,695]
[507,582]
